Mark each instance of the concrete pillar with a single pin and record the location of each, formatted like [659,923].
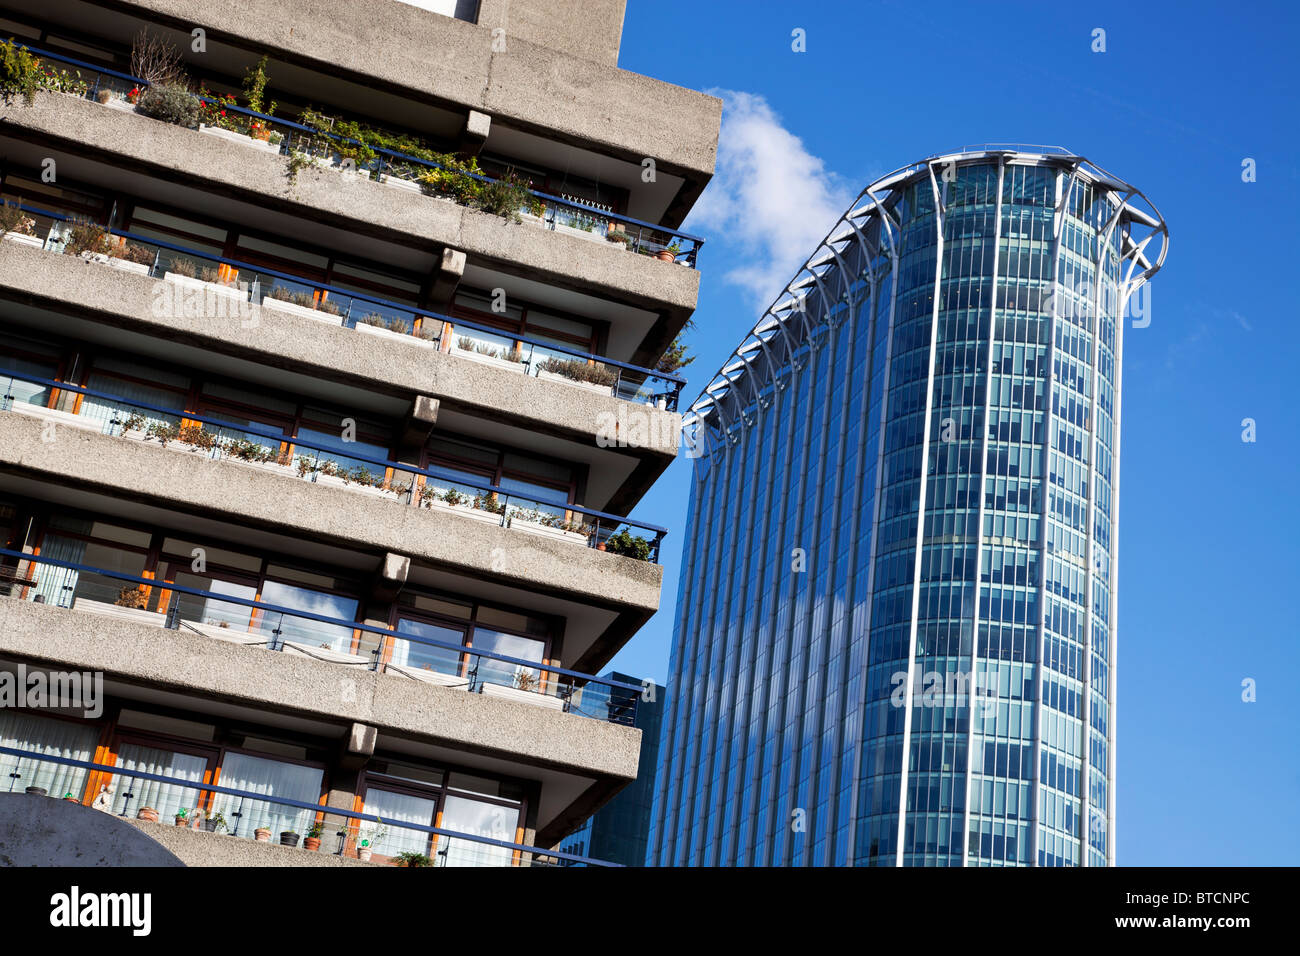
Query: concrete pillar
[416,428]
[451,269]
[474,135]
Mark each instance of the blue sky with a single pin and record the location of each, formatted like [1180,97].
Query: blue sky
[1208,534]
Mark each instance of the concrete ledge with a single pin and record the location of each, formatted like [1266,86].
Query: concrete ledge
[450,61]
[200,848]
[351,202]
[188,481]
[340,355]
[45,831]
[205,667]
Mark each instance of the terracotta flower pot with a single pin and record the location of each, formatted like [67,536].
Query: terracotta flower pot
[262,835]
[663,255]
[72,800]
[182,821]
[311,843]
[147,813]
[364,853]
[38,791]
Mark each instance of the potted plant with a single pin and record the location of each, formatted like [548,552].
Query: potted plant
[182,817]
[312,841]
[71,799]
[17,227]
[628,544]
[262,834]
[370,840]
[147,813]
[305,304]
[288,838]
[214,822]
[411,858]
[669,252]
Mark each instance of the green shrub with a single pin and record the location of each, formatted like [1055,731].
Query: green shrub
[85,236]
[171,104]
[628,544]
[13,219]
[20,72]
[580,371]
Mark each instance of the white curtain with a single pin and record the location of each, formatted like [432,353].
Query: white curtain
[394,809]
[478,819]
[59,738]
[102,410]
[166,798]
[272,778]
[55,585]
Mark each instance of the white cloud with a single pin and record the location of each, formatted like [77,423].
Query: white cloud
[771,199]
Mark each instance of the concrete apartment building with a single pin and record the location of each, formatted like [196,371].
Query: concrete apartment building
[320,444]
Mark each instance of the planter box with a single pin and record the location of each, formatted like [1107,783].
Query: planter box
[242,139]
[189,282]
[533,527]
[62,418]
[589,386]
[36,242]
[394,336]
[465,512]
[232,634]
[138,615]
[453,681]
[592,236]
[523,696]
[289,308]
[299,649]
[408,184]
[139,268]
[488,360]
[336,482]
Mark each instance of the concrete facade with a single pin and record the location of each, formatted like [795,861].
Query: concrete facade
[269,678]
[350,202]
[193,664]
[191,482]
[529,83]
[332,354]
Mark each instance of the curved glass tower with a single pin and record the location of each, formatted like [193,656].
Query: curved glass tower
[896,634]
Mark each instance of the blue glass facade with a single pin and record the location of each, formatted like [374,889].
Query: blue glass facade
[894,637]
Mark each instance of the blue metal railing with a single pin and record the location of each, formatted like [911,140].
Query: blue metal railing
[616,699]
[631,382]
[353,816]
[640,241]
[605,524]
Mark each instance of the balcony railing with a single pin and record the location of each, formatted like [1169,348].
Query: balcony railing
[300,633]
[363,312]
[349,828]
[423,488]
[642,237]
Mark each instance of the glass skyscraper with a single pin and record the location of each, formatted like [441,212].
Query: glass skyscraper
[896,632]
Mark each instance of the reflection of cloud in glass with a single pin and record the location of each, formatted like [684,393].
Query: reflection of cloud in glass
[334,636]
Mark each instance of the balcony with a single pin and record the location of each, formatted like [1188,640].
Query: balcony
[317,463]
[558,74]
[256,623]
[203,824]
[290,167]
[216,287]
